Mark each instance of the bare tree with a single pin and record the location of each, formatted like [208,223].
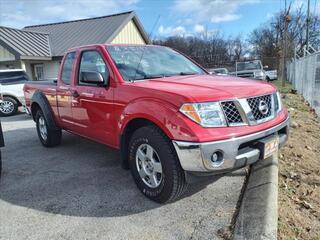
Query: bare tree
[211,51]
[267,39]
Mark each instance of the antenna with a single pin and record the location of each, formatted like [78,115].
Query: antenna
[154,25]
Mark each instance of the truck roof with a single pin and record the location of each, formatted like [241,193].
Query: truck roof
[112,44]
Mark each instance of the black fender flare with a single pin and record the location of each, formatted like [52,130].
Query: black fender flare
[41,100]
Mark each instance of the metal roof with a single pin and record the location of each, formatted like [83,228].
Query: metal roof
[25,44]
[99,30]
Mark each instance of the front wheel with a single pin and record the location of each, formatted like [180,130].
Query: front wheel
[155,166]
[48,136]
[8,107]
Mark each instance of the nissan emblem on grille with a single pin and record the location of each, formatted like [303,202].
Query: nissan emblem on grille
[263,107]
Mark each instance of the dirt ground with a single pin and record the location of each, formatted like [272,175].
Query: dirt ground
[299,172]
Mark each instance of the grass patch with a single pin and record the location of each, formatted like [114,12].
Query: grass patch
[286,89]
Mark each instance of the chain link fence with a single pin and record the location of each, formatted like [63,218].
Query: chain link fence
[304,74]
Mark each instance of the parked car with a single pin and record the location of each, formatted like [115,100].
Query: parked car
[170,119]
[250,69]
[11,90]
[219,71]
[1,145]
[271,75]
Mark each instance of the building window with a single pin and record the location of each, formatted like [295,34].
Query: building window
[38,71]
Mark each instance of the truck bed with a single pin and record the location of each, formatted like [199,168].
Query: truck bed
[43,82]
[47,87]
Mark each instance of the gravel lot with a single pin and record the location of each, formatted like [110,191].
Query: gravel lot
[79,191]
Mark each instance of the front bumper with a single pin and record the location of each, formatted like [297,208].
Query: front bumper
[237,152]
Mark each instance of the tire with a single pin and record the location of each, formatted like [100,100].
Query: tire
[49,137]
[166,186]
[8,107]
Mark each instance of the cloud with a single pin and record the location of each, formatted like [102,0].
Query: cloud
[20,13]
[199,28]
[215,11]
[269,15]
[170,31]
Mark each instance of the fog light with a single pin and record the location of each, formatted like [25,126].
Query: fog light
[217,158]
[214,157]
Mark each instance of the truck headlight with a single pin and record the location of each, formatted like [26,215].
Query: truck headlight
[277,102]
[207,114]
[258,74]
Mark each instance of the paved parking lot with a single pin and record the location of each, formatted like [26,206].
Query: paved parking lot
[79,191]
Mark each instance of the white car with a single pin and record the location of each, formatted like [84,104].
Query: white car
[271,75]
[11,90]
[219,71]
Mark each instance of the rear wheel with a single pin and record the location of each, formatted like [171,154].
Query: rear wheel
[8,107]
[155,166]
[49,137]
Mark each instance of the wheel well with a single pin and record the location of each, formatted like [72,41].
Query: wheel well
[34,108]
[19,103]
[131,127]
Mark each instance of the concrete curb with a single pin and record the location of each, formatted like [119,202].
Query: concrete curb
[258,214]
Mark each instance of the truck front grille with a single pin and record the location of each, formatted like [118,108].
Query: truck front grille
[245,75]
[257,103]
[231,112]
[252,111]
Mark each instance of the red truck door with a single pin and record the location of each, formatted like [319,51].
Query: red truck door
[92,107]
[64,93]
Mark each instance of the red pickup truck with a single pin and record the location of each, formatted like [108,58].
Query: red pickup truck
[169,118]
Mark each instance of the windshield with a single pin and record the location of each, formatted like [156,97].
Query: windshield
[144,62]
[248,66]
[223,71]
[13,77]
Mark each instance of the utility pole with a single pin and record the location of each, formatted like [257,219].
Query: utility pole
[287,20]
[308,25]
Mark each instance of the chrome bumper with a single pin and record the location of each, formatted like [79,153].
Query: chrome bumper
[237,152]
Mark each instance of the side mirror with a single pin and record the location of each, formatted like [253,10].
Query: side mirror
[91,77]
[265,67]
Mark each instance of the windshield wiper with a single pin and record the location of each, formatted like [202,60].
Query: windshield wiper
[187,73]
[148,77]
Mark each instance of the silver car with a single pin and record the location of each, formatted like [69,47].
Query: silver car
[11,91]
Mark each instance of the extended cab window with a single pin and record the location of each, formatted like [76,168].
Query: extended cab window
[91,61]
[67,68]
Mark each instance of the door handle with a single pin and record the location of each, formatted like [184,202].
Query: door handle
[75,94]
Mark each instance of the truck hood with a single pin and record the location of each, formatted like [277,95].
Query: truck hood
[247,71]
[204,88]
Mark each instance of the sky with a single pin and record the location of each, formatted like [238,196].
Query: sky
[160,18]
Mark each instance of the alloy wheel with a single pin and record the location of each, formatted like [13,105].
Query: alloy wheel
[43,128]
[149,165]
[6,107]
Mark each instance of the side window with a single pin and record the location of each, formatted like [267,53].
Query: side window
[91,61]
[67,68]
